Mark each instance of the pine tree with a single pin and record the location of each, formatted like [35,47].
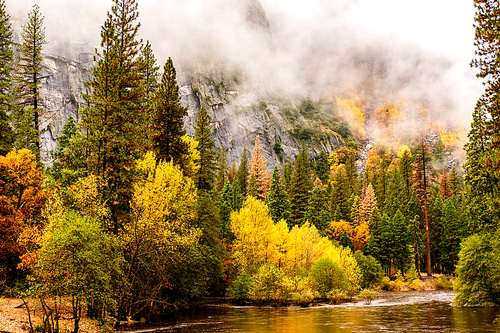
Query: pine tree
[321,167]
[63,142]
[167,121]
[401,240]
[300,186]
[277,200]
[113,119]
[253,187]
[242,173]
[149,71]
[222,169]
[258,168]
[203,134]
[421,188]
[445,186]
[406,171]
[27,80]
[317,212]
[368,203]
[6,56]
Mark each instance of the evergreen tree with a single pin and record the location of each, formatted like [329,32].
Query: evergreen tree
[27,79]
[149,71]
[354,203]
[300,186]
[203,134]
[277,200]
[253,187]
[287,176]
[231,199]
[222,169]
[406,171]
[321,167]
[258,168]
[63,142]
[6,56]
[167,121]
[340,195]
[113,120]
[451,236]
[401,241]
[242,173]
[346,241]
[318,211]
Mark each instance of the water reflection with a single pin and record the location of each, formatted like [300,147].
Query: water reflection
[391,312]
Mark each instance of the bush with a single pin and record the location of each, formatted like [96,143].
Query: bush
[443,283]
[397,284]
[338,296]
[368,295]
[327,275]
[269,283]
[385,282]
[241,285]
[371,269]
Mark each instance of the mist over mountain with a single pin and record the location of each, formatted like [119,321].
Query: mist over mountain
[264,51]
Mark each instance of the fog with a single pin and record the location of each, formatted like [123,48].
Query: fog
[419,51]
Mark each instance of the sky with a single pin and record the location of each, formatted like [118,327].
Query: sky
[417,50]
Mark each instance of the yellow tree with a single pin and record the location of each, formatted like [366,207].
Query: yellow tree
[159,233]
[303,248]
[258,240]
[258,168]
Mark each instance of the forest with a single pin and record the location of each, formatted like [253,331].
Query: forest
[135,218]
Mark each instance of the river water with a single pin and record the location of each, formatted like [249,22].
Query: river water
[429,311]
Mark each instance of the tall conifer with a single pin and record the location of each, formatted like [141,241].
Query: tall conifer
[277,200]
[203,134]
[167,121]
[300,187]
[258,168]
[27,80]
[113,120]
[6,56]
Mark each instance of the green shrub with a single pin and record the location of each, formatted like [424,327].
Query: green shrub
[371,269]
[385,283]
[241,285]
[326,275]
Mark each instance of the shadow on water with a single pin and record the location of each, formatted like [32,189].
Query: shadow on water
[429,311]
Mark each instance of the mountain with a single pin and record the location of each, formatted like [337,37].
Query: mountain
[240,110]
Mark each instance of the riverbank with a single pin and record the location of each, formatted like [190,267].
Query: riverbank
[14,318]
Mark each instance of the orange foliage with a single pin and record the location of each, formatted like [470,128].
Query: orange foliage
[258,168]
[21,201]
[361,236]
[337,229]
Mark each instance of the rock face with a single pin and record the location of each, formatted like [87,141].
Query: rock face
[63,85]
[238,115]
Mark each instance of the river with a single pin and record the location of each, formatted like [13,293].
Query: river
[428,311]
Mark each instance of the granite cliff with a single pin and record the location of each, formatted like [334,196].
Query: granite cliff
[239,112]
